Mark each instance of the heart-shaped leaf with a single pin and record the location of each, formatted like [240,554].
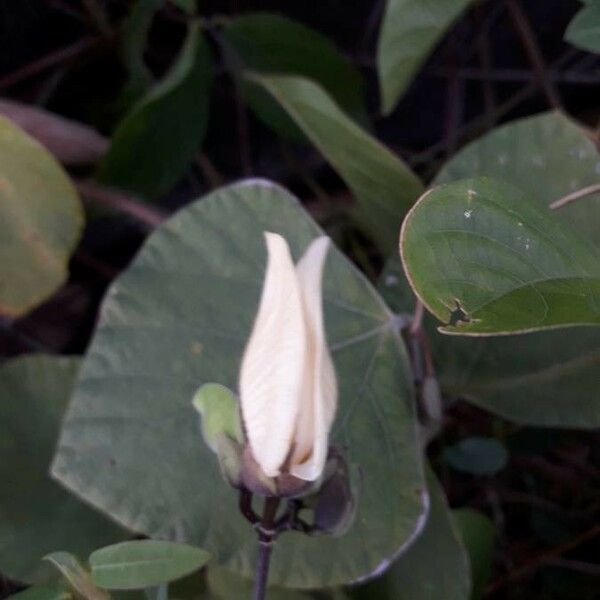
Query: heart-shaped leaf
[38,516]
[383,186]
[140,564]
[179,317]
[412,576]
[485,260]
[409,31]
[157,139]
[271,44]
[40,222]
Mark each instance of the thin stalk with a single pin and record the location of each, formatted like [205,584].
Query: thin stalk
[587,191]
[266,539]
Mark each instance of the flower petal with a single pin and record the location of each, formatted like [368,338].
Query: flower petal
[319,394]
[274,362]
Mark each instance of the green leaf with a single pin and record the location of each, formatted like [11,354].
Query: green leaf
[56,591]
[383,186]
[37,515]
[220,414]
[268,43]
[485,259]
[477,533]
[436,566]
[584,30]
[134,37]
[187,6]
[77,577]
[226,585]
[477,456]
[179,317]
[41,220]
[547,378]
[154,144]
[144,563]
[409,32]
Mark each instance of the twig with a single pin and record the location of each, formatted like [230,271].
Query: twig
[122,202]
[575,565]
[54,58]
[582,193]
[532,49]
[542,559]
[210,173]
[266,539]
[417,320]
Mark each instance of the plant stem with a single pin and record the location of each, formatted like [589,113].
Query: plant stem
[266,539]
[587,191]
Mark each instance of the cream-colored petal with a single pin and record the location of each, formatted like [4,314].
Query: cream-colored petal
[319,394]
[273,364]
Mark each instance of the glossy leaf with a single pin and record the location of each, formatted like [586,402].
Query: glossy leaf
[157,139]
[477,456]
[436,565]
[486,260]
[409,31]
[76,576]
[584,30]
[37,515]
[268,43]
[144,563]
[477,532]
[40,222]
[180,316]
[384,188]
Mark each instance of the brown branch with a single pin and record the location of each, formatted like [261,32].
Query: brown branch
[534,54]
[582,193]
[121,202]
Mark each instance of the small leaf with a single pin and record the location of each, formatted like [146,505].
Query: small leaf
[77,577]
[154,144]
[37,515]
[56,591]
[477,533]
[477,456]
[41,220]
[220,412]
[383,186]
[268,43]
[409,31]
[584,30]
[144,563]
[485,260]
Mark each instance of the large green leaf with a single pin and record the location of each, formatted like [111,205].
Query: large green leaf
[40,221]
[271,44]
[180,317]
[155,142]
[140,564]
[477,532]
[436,566]
[38,516]
[383,186]
[409,31]
[544,378]
[584,30]
[485,260]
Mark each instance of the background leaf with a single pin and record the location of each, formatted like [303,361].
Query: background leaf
[477,456]
[156,141]
[179,317]
[477,532]
[436,565]
[383,186]
[268,43]
[584,30]
[76,576]
[37,515]
[40,222]
[44,592]
[409,31]
[144,563]
[485,260]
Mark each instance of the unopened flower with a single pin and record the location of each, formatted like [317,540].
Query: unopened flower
[288,388]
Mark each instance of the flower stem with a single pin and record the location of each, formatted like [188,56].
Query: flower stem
[266,539]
